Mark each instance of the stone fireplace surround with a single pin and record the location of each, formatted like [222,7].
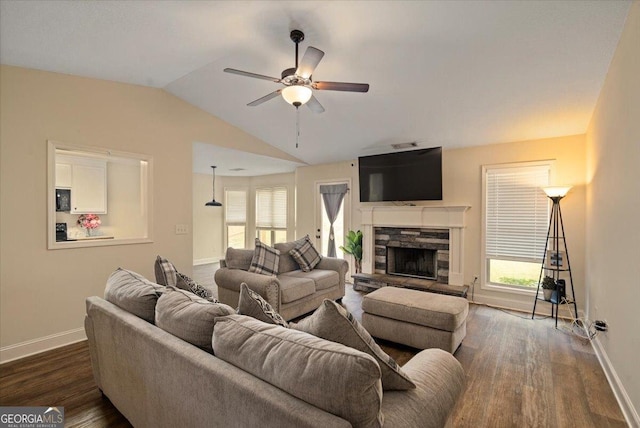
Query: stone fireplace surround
[420,238]
[413,219]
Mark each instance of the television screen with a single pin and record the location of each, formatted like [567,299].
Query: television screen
[414,175]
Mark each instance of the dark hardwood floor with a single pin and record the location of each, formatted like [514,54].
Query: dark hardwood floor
[520,373]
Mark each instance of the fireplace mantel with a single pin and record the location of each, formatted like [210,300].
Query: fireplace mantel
[433,217]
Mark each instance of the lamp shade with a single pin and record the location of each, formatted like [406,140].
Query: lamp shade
[556,191]
[296,95]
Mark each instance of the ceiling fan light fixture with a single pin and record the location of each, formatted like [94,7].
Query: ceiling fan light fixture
[296,95]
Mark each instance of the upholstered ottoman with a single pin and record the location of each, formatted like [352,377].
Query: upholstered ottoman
[416,318]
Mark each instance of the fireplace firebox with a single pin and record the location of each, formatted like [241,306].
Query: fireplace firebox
[413,262]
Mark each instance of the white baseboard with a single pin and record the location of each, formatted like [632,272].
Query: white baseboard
[206,261]
[41,344]
[542,308]
[629,412]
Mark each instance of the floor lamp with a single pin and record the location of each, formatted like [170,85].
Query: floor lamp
[555,259]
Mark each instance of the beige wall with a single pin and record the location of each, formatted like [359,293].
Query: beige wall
[42,291]
[462,185]
[613,210]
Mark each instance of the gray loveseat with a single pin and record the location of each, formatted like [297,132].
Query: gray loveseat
[292,292]
[156,379]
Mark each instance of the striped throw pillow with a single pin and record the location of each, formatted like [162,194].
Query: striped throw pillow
[265,259]
[306,255]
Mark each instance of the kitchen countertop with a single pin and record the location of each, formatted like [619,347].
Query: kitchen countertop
[89,238]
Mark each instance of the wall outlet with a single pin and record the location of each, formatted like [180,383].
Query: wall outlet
[182,229]
[602,325]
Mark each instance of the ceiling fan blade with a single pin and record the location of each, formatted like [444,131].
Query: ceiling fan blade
[309,62]
[254,75]
[314,105]
[341,86]
[265,98]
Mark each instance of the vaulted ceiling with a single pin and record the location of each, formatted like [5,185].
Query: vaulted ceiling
[442,73]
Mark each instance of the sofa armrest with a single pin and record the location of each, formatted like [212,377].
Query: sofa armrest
[339,265]
[439,380]
[266,286]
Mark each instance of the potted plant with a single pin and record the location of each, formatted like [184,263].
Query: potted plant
[353,246]
[548,287]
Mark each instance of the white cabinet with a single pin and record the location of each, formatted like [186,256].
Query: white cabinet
[88,183]
[63,176]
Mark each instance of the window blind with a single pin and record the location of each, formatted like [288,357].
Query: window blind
[271,208]
[236,206]
[517,212]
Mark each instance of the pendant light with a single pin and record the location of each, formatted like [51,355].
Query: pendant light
[213,202]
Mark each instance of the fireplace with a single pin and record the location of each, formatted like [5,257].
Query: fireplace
[419,252]
[414,262]
[440,228]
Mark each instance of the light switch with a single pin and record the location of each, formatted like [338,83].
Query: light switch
[182,229]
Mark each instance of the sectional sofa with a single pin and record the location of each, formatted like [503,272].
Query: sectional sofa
[250,373]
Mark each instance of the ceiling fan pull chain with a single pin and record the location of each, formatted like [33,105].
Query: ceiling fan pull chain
[297,126]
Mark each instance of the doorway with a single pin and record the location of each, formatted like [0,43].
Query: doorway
[334,194]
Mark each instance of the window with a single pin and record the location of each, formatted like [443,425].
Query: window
[271,215]
[516,220]
[236,217]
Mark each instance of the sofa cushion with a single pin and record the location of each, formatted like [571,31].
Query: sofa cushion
[189,317]
[323,279]
[133,293]
[333,377]
[287,262]
[306,255]
[238,258]
[165,271]
[294,288]
[265,259]
[252,304]
[332,322]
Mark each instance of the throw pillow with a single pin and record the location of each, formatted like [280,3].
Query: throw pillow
[306,255]
[265,259]
[238,258]
[133,293]
[165,272]
[332,322]
[186,283]
[287,263]
[189,317]
[328,375]
[252,304]
[168,275]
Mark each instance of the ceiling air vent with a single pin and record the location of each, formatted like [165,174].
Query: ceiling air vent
[404,145]
[237,169]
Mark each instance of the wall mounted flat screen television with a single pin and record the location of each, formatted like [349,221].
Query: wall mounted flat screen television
[414,175]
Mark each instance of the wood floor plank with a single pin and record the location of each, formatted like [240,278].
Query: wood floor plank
[570,397]
[538,404]
[595,381]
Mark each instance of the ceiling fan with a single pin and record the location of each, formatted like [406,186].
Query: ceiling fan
[298,82]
